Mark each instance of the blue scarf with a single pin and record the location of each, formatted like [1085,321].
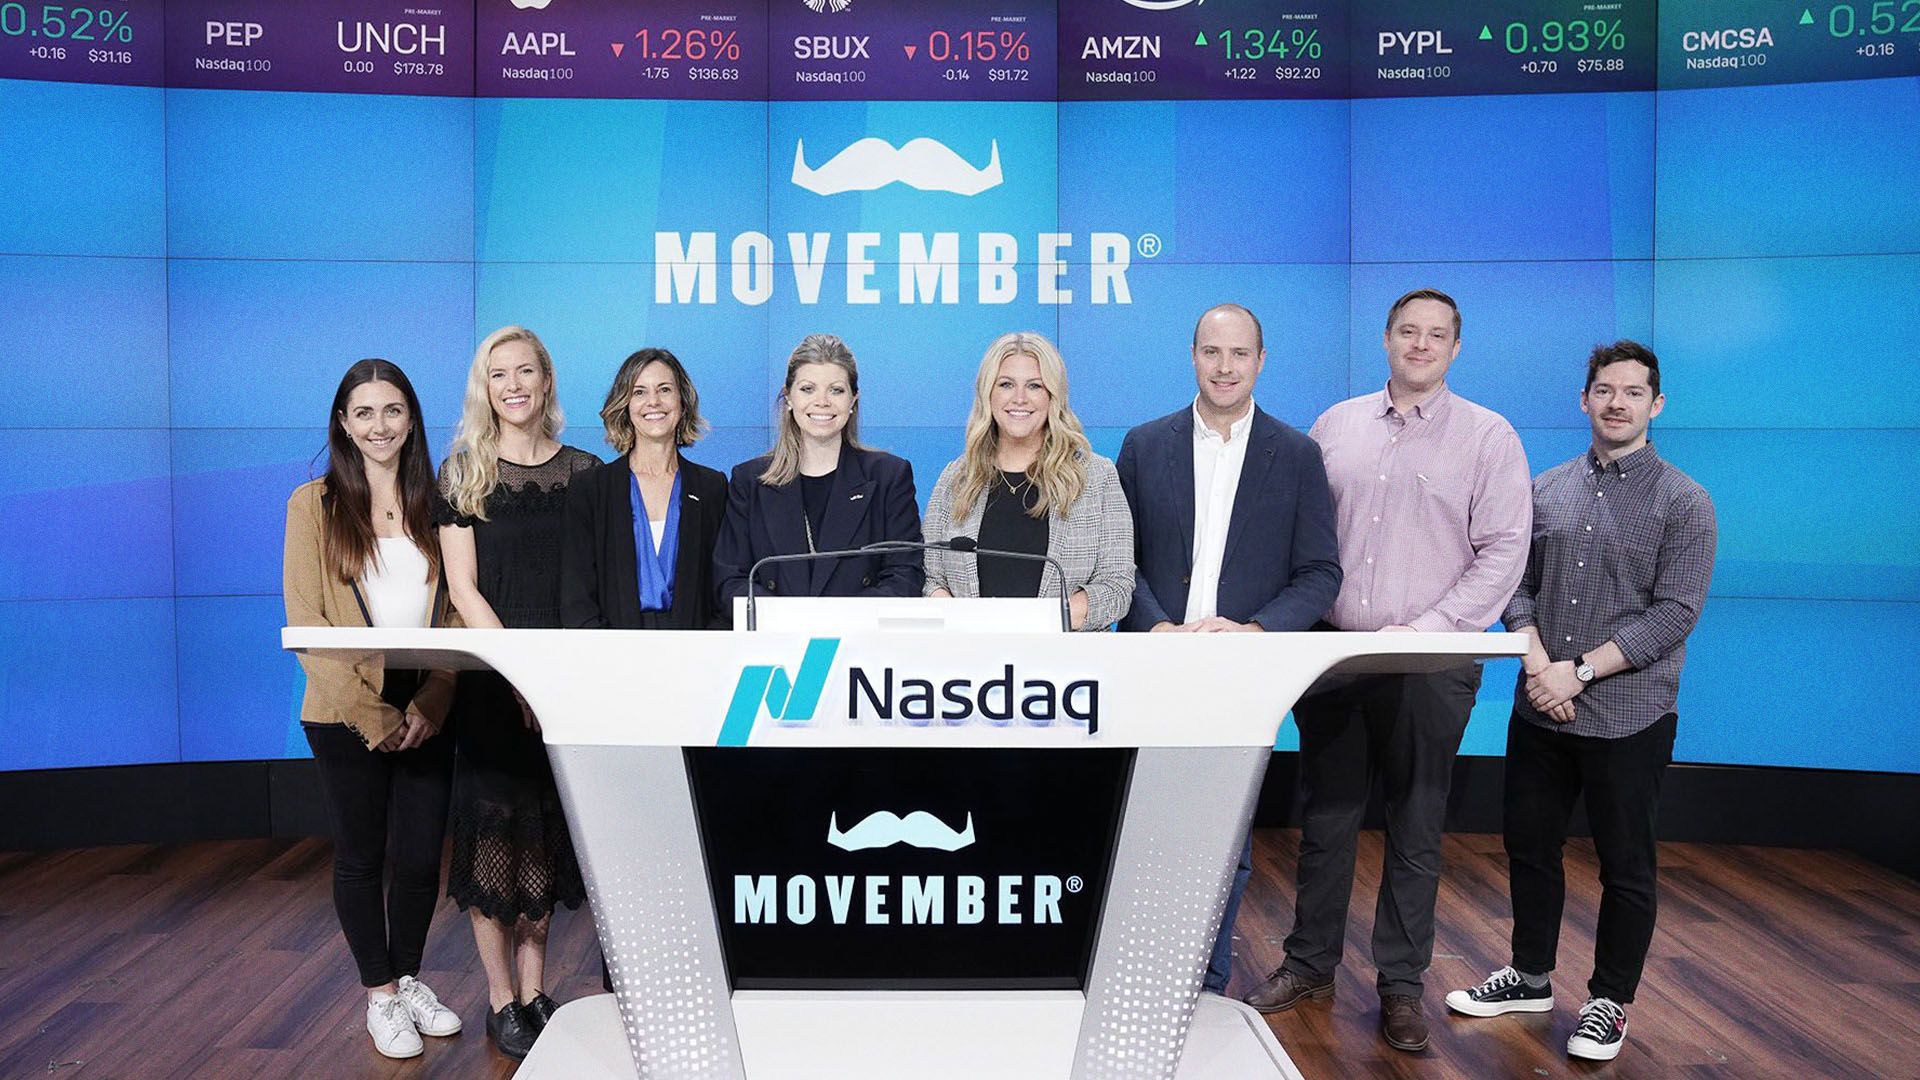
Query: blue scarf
[655,567]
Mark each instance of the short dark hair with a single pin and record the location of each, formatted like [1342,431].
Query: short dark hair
[1425,294]
[1259,335]
[1621,351]
[613,414]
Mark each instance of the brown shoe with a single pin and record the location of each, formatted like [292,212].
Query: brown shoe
[1403,1022]
[1284,989]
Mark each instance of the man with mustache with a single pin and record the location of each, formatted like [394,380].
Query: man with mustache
[1622,553]
[1232,523]
[1430,497]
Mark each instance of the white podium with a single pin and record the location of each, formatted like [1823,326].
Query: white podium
[930,963]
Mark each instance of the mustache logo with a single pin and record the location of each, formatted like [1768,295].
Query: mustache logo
[884,828]
[870,163]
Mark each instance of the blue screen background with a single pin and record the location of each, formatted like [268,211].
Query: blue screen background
[186,273]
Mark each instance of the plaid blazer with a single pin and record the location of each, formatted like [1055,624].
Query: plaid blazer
[1093,540]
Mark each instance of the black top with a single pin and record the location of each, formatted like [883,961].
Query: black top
[600,581]
[814,493]
[517,547]
[871,500]
[1005,524]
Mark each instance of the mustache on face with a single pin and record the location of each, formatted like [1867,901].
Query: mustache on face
[870,163]
[884,828]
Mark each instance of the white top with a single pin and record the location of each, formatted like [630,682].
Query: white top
[395,585]
[1216,478]
[659,529]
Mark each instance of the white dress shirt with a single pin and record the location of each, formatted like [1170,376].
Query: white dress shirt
[1216,477]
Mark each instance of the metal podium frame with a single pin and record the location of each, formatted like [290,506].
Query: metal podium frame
[619,707]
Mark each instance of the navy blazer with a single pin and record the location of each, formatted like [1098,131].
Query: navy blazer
[1282,562]
[599,577]
[872,499]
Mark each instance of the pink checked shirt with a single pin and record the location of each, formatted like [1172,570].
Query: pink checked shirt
[1434,510]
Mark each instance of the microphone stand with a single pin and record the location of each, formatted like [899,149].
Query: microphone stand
[968,545]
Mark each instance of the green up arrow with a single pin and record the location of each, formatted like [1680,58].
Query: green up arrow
[1806,17]
[1201,38]
[1486,33]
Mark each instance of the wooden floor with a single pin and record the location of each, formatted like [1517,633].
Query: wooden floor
[224,960]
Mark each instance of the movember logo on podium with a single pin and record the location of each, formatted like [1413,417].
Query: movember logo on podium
[908,869]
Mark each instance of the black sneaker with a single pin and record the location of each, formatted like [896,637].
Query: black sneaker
[512,1030]
[1503,992]
[1602,1031]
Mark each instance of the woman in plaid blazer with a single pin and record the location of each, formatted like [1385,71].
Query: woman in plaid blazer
[1029,481]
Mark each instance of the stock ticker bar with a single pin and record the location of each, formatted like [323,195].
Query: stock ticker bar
[912,50]
[709,50]
[1705,44]
[1413,48]
[957,50]
[329,46]
[114,44]
[1138,50]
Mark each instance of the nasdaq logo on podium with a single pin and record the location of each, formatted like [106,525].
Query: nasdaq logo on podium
[887,695]
[790,700]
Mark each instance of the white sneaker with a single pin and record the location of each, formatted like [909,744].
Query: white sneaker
[429,1016]
[392,1029]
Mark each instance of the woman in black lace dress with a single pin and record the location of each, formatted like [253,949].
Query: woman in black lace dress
[504,487]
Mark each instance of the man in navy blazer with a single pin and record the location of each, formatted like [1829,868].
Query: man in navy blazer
[1233,525]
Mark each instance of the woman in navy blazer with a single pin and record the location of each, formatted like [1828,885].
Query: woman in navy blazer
[819,490]
[652,412]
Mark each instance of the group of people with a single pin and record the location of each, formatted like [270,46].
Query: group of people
[1406,509]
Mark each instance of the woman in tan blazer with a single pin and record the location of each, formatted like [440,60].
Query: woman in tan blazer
[361,551]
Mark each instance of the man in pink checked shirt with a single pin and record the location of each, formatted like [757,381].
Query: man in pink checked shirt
[1433,507]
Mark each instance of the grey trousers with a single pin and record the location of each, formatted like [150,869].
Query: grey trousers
[1402,732]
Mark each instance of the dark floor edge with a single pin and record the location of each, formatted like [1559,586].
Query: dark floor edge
[1871,814]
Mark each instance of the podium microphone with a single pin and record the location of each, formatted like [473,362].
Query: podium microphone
[968,545]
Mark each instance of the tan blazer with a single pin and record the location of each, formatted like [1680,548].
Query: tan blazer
[345,691]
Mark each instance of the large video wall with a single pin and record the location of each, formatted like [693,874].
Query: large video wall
[208,208]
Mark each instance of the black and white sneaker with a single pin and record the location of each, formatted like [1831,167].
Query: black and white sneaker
[1602,1031]
[1503,992]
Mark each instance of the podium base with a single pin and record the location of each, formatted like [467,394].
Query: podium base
[857,1035]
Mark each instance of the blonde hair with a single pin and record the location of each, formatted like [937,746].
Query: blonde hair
[784,463]
[472,468]
[1059,473]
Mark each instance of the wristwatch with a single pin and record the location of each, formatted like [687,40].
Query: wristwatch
[1583,670]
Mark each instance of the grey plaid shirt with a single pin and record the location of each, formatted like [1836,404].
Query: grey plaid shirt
[1623,553]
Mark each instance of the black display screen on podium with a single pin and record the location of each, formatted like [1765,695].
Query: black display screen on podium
[908,869]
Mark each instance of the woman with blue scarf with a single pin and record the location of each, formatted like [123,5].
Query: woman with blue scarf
[640,530]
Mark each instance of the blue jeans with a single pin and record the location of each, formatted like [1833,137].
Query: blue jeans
[1220,964]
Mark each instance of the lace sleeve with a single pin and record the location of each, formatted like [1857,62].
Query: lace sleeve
[440,509]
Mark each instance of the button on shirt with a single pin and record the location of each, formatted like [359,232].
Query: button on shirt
[1622,552]
[1216,477]
[1433,511]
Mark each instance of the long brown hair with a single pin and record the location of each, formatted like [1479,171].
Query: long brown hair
[350,543]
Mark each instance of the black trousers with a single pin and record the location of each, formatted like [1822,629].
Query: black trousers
[1546,771]
[1402,731]
[385,808]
